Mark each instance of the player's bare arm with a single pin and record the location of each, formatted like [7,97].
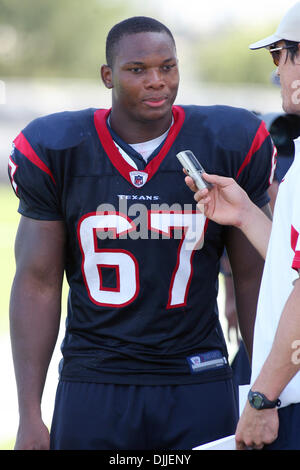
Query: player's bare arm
[247,267]
[228,204]
[35,307]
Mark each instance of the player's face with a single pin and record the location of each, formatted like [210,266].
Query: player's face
[145,76]
[289,72]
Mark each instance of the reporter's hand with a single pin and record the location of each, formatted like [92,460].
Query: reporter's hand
[225,203]
[32,435]
[256,428]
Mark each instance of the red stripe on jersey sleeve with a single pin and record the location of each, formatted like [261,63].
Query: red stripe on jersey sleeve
[296,261]
[260,136]
[294,238]
[22,144]
[294,241]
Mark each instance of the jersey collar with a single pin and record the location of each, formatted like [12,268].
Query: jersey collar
[123,167]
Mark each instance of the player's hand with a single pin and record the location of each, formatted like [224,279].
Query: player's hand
[256,428]
[226,203]
[33,435]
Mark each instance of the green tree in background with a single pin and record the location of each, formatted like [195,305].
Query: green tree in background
[225,57]
[65,38]
[51,38]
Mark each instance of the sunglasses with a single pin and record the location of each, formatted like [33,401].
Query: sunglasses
[276,51]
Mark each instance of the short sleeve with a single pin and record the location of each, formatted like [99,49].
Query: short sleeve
[256,173]
[33,180]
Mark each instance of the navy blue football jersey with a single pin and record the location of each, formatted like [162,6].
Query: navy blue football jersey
[142,262]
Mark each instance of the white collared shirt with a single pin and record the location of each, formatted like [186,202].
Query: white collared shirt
[280,272]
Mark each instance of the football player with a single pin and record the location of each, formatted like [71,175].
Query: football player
[103,199]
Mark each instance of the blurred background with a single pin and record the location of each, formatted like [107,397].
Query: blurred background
[50,55]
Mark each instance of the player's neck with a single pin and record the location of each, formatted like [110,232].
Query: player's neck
[134,132]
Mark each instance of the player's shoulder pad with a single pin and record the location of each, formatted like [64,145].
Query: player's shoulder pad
[229,125]
[223,116]
[61,130]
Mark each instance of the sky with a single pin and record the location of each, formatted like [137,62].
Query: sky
[206,14]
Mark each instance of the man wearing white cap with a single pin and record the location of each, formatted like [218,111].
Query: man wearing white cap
[284,44]
[271,417]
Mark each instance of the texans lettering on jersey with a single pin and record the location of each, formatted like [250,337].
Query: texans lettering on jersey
[142,262]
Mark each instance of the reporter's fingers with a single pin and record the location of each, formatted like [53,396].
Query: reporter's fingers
[222,181]
[202,199]
[190,183]
[202,196]
[258,447]
[240,445]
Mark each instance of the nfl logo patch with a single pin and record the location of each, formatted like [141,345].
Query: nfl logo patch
[138,178]
[195,360]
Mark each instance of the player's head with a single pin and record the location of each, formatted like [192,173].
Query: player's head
[133,25]
[284,46]
[141,70]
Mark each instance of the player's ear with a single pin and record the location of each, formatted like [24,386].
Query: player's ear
[106,75]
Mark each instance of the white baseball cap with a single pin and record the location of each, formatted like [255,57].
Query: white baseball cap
[288,29]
